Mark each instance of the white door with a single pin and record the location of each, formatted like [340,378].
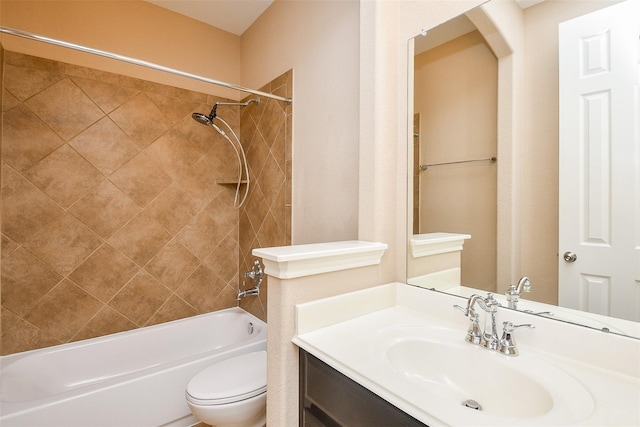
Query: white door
[599,206]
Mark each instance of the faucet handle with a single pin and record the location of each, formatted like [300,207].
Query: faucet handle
[507,342]
[474,334]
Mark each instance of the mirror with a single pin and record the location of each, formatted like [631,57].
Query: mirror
[485,154]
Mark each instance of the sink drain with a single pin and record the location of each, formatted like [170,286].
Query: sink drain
[470,403]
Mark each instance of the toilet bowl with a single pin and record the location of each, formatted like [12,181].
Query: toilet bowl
[231,393]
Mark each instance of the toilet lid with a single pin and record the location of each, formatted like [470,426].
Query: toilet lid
[230,380]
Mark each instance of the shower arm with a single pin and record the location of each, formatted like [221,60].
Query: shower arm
[36,37]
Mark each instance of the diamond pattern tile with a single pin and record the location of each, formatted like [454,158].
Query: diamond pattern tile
[140,298]
[63,244]
[141,179]
[107,96]
[140,119]
[105,146]
[65,108]
[64,176]
[105,209]
[26,139]
[115,222]
[25,210]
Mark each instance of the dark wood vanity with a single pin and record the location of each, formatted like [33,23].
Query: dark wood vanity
[329,398]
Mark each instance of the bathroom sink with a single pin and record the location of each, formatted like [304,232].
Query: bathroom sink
[496,387]
[480,386]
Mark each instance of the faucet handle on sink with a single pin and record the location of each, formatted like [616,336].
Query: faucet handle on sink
[474,334]
[507,342]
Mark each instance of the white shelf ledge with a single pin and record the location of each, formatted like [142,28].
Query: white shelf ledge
[288,262]
[436,243]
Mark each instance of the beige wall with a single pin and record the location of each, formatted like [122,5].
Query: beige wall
[456,96]
[319,40]
[133,28]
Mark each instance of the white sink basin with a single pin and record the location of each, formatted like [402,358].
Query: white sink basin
[453,374]
[499,389]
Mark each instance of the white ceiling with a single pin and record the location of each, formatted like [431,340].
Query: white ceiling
[234,16]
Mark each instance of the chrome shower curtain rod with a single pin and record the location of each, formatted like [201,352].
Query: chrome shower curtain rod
[139,62]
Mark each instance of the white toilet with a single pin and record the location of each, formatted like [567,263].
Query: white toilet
[231,393]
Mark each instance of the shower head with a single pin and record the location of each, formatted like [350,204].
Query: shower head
[203,119]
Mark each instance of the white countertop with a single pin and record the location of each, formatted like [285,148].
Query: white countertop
[346,332]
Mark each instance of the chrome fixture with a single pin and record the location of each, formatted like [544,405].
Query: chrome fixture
[237,146]
[256,275]
[488,337]
[507,342]
[514,291]
[490,306]
[474,333]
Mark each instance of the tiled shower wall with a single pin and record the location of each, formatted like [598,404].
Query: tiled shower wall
[265,219]
[111,215]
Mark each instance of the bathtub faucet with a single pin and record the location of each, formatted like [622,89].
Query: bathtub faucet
[256,276]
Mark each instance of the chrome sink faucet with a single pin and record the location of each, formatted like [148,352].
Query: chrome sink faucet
[488,337]
[514,291]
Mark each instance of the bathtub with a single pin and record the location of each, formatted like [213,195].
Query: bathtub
[135,378]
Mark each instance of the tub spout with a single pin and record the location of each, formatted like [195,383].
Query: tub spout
[255,291]
[256,276]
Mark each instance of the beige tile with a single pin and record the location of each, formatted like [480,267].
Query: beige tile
[177,107]
[30,61]
[271,233]
[106,321]
[259,207]
[141,298]
[224,259]
[23,336]
[8,246]
[105,146]
[271,121]
[202,289]
[25,210]
[173,264]
[257,154]
[25,280]
[24,82]
[140,239]
[64,244]
[140,119]
[141,179]
[174,153]
[91,74]
[173,309]
[272,179]
[105,209]
[191,235]
[107,96]
[199,183]
[64,311]
[8,101]
[104,273]
[65,108]
[26,139]
[173,209]
[64,176]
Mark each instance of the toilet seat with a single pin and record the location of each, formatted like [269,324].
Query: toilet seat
[231,380]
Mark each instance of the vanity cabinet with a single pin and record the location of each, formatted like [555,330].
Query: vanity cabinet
[329,398]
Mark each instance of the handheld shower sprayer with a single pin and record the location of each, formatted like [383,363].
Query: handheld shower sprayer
[237,146]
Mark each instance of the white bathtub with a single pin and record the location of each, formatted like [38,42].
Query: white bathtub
[134,378]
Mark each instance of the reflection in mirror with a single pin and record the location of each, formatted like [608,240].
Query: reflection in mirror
[467,106]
